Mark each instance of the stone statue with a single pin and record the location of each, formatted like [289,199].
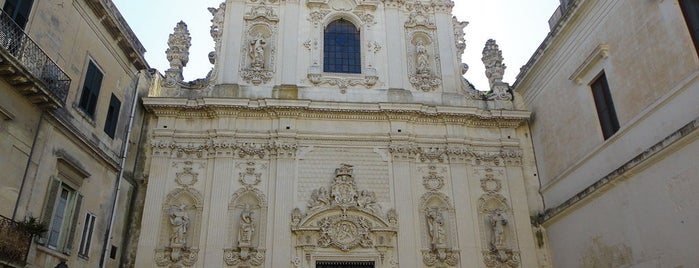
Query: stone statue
[257,51]
[422,58]
[247,227]
[497,223]
[435,224]
[179,221]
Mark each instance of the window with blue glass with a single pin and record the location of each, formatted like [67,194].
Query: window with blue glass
[341,49]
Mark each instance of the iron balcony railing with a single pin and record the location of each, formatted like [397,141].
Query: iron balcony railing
[18,44]
[14,242]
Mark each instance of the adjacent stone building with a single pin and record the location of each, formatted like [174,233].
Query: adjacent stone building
[336,133]
[70,74]
[613,92]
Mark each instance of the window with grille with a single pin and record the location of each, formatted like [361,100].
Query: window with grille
[341,48]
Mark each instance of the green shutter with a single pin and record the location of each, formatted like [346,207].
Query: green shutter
[73,225]
[49,205]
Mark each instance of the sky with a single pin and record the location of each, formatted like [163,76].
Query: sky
[518,26]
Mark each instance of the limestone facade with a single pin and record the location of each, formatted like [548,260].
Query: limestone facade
[62,148]
[272,161]
[625,200]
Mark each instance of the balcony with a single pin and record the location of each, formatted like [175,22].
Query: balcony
[14,242]
[26,67]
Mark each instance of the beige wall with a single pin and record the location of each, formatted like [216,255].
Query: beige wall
[650,52]
[617,202]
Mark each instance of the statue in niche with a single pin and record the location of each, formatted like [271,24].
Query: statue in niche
[257,51]
[180,222]
[247,227]
[422,58]
[497,223]
[435,225]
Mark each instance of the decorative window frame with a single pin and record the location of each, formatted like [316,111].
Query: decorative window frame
[323,12]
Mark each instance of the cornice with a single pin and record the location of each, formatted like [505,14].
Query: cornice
[275,108]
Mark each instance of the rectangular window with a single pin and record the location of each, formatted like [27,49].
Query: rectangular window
[86,238]
[690,9]
[110,123]
[91,89]
[605,106]
[18,10]
[61,212]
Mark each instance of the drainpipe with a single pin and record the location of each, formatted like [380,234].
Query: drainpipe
[120,176]
[29,162]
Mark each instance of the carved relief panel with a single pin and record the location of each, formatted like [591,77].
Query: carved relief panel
[247,215]
[496,221]
[341,217]
[179,228]
[259,49]
[424,69]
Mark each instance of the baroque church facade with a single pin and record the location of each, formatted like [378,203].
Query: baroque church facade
[336,133]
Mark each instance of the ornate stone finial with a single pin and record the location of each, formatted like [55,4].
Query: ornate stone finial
[495,70]
[217,29]
[177,52]
[459,36]
[493,61]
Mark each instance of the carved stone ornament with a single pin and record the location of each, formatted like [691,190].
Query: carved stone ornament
[344,193]
[316,77]
[345,232]
[495,70]
[505,258]
[245,253]
[236,257]
[490,184]
[186,178]
[177,252]
[423,65]
[261,28]
[433,182]
[185,256]
[250,177]
[440,257]
[459,36]
[344,218]
[177,54]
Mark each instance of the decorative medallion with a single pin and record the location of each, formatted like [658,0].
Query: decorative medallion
[249,177]
[433,182]
[186,178]
[345,232]
[490,184]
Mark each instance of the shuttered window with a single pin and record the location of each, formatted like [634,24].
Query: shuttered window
[690,9]
[605,106]
[61,211]
[110,123]
[91,89]
[86,237]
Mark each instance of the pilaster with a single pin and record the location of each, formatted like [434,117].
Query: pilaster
[284,170]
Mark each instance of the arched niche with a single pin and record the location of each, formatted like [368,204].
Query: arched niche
[252,202]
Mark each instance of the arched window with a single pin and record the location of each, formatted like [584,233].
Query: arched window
[342,49]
